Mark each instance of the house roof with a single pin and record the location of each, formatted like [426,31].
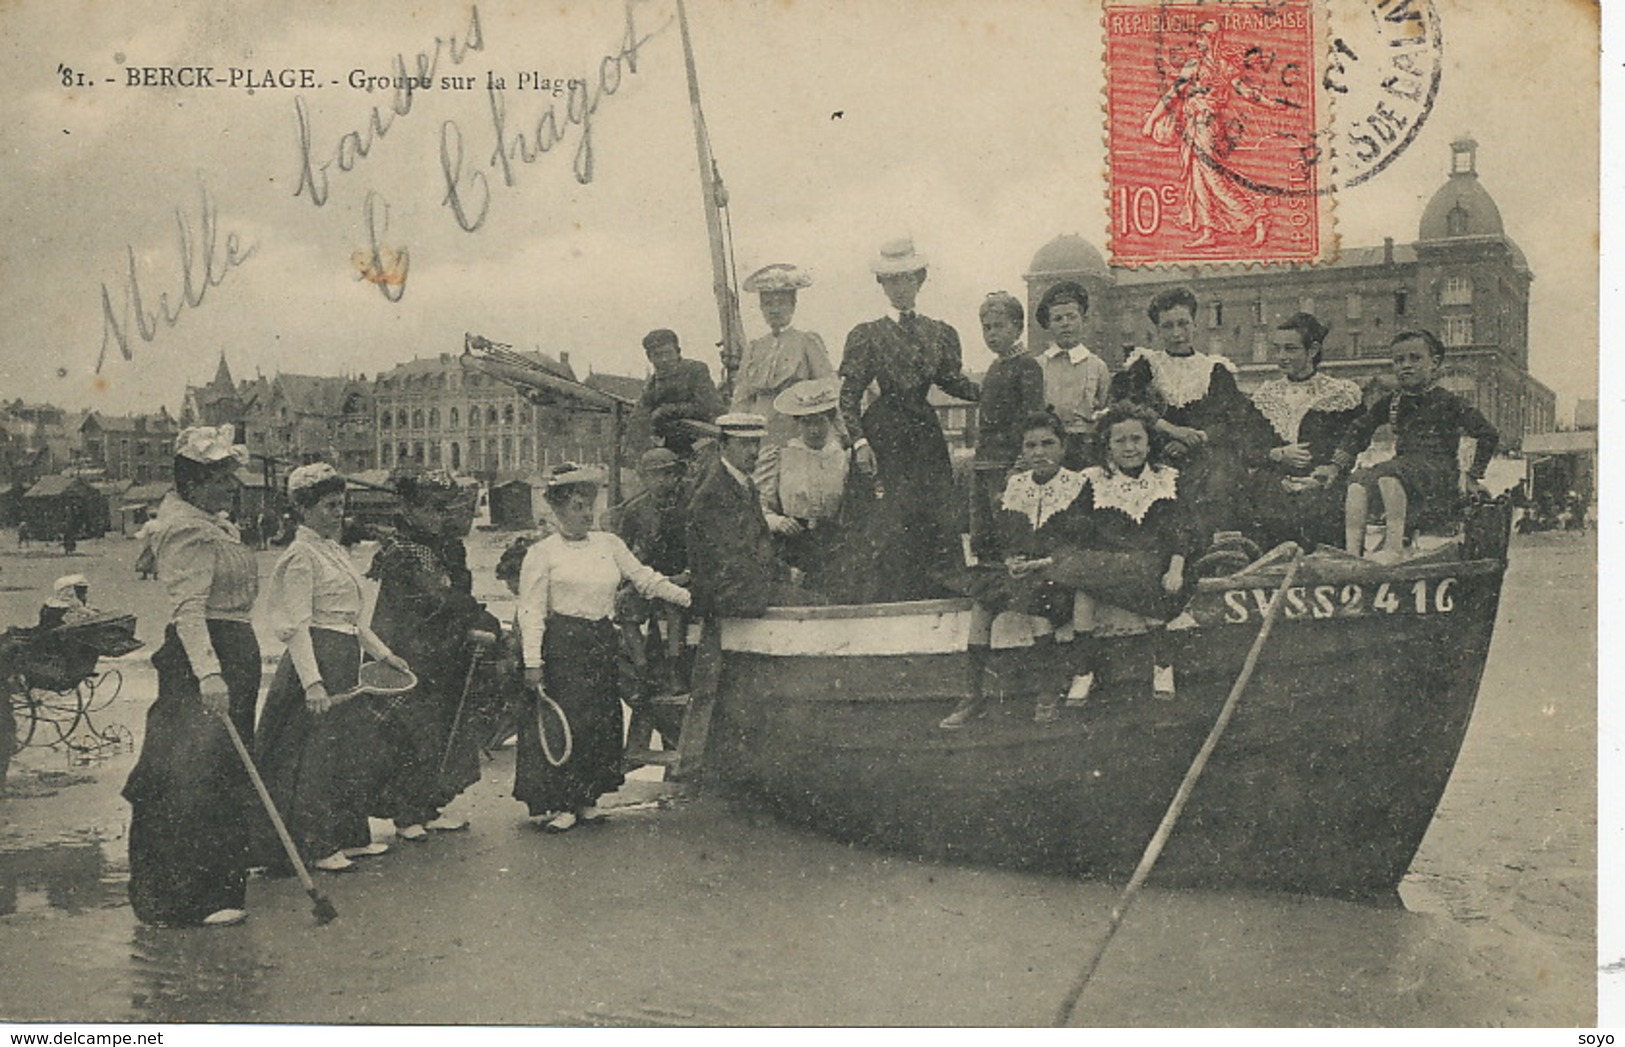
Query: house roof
[51,486]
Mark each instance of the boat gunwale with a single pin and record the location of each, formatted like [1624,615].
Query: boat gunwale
[1311,573]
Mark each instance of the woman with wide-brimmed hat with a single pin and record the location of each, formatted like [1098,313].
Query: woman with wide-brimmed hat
[315,753]
[192,806]
[898,437]
[782,357]
[567,635]
[811,496]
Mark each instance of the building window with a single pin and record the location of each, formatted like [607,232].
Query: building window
[507,414]
[141,448]
[124,449]
[387,456]
[456,455]
[1455,223]
[1354,344]
[417,453]
[1258,310]
[474,417]
[400,418]
[434,418]
[1215,314]
[507,452]
[454,418]
[417,418]
[385,419]
[434,453]
[403,454]
[524,414]
[1458,290]
[491,415]
[527,452]
[1458,330]
[1402,301]
[1352,307]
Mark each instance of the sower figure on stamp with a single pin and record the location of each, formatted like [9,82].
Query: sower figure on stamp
[427,614]
[1195,109]
[899,438]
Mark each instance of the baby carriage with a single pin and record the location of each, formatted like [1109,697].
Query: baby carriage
[54,689]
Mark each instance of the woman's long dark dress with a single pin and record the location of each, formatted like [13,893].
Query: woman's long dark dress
[193,808]
[912,528]
[424,612]
[1200,392]
[318,768]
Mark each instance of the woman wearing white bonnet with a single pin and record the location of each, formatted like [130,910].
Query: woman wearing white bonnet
[316,755]
[192,807]
[780,358]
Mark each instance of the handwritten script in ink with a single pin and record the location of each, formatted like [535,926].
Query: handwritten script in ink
[468,191]
[205,264]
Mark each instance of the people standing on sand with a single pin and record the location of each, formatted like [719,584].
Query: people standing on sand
[566,598]
[898,437]
[192,806]
[315,752]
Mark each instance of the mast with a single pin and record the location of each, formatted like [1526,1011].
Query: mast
[715,198]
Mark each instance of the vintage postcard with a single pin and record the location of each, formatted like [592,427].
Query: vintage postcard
[1251,683]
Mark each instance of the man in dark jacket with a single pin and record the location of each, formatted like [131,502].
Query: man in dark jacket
[736,572]
[679,390]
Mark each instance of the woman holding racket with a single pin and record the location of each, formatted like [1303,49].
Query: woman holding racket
[566,600]
[315,750]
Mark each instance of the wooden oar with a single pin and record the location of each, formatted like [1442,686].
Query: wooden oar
[321,908]
[1159,839]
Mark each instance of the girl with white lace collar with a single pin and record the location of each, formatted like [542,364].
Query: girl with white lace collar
[1209,427]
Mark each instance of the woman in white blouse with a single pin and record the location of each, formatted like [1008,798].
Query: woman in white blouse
[316,756]
[568,642]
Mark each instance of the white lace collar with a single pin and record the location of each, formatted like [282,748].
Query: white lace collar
[1038,502]
[1133,495]
[1180,379]
[1285,402]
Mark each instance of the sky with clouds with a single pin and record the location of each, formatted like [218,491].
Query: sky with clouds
[976,128]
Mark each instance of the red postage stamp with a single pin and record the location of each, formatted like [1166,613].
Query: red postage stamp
[1214,133]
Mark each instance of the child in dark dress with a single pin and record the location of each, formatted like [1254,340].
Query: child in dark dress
[1428,422]
[1011,391]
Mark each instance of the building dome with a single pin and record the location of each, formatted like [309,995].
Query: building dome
[1069,255]
[1462,206]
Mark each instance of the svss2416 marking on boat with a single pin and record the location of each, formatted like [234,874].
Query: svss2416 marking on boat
[1351,600]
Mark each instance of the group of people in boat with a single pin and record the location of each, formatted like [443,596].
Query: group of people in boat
[1092,491]
[1096,497]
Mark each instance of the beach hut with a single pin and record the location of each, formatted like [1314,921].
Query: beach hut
[59,505]
[511,508]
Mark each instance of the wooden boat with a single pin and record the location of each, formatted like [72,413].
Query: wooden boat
[1324,783]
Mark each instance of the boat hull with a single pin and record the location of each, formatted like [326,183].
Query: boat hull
[1324,783]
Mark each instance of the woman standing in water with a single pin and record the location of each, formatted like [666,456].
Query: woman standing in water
[192,807]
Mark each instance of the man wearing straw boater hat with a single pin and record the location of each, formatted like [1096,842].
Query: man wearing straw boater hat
[898,438]
[782,357]
[736,571]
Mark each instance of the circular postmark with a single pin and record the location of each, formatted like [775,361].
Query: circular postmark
[1297,98]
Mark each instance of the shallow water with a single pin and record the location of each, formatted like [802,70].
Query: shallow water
[701,909]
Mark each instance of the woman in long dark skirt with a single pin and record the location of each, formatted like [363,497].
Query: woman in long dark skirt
[566,602]
[192,806]
[319,758]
